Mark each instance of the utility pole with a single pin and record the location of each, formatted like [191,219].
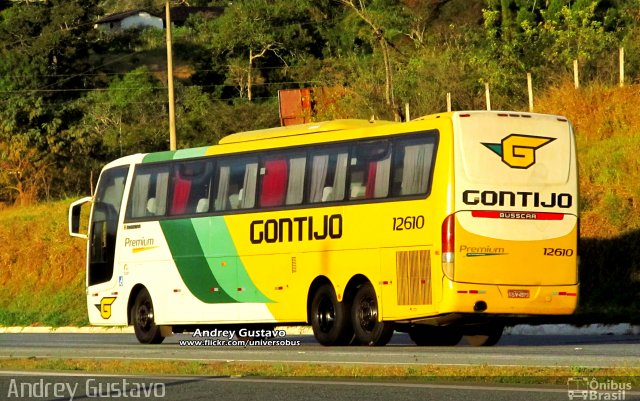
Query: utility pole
[172,106]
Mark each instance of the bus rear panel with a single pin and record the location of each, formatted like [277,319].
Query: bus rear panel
[510,243]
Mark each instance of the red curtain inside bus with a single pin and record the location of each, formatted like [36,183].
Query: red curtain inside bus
[371,180]
[181,190]
[274,183]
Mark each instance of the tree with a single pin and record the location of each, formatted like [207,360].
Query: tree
[127,116]
[252,30]
[574,33]
[384,19]
[44,49]
[23,173]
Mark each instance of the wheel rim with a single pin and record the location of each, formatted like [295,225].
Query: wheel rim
[367,314]
[326,315]
[145,316]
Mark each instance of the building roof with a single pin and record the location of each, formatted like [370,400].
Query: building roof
[179,14]
[122,15]
[182,13]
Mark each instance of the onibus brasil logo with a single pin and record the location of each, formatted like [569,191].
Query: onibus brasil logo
[519,151]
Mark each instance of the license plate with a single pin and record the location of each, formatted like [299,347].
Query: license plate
[518,293]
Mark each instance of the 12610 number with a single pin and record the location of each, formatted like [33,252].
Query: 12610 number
[558,252]
[408,223]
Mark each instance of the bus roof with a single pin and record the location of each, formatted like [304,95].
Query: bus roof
[301,129]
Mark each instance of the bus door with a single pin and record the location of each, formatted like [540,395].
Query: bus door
[103,226]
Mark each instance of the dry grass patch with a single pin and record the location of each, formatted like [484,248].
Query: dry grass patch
[489,374]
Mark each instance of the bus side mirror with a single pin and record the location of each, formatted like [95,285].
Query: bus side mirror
[74,217]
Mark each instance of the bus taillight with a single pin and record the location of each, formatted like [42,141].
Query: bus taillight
[448,245]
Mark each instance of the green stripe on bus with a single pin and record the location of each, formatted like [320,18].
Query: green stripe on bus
[218,246]
[191,262]
[188,153]
[175,155]
[158,157]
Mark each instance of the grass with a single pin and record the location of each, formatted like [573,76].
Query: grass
[41,268]
[606,123]
[486,374]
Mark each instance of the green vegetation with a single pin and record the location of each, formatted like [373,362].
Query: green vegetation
[73,97]
[417,373]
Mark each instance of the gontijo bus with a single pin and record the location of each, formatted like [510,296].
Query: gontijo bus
[442,227]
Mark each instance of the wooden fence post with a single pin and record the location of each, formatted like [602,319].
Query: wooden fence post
[487,96]
[530,90]
[448,101]
[621,57]
[576,80]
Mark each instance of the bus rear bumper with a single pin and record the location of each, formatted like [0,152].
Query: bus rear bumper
[463,301]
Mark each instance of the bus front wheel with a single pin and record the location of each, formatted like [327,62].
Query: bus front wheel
[142,315]
[365,318]
[330,318]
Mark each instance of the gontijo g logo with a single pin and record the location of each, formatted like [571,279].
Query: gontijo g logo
[518,151]
[105,307]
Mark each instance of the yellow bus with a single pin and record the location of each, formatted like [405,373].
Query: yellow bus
[446,226]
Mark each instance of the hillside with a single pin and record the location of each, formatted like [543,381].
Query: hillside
[41,267]
[607,123]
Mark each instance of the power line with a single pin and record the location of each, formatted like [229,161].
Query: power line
[149,72]
[135,88]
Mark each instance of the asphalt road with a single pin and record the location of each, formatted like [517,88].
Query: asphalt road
[16,385]
[550,351]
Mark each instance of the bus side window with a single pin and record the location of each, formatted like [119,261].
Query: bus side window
[328,175]
[274,177]
[149,194]
[295,187]
[192,187]
[412,166]
[236,184]
[282,181]
[370,170]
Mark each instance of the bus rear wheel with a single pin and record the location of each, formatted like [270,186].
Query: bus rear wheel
[330,318]
[365,318]
[484,336]
[436,336]
[142,316]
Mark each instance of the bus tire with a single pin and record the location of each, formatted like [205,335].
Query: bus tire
[424,335]
[485,336]
[330,318]
[365,318]
[142,317]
